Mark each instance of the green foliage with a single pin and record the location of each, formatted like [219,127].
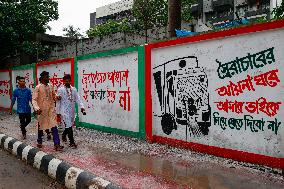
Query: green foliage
[278,12]
[20,20]
[34,48]
[186,9]
[147,14]
[109,27]
[150,13]
[72,32]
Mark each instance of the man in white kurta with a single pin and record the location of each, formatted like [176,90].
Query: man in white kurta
[65,108]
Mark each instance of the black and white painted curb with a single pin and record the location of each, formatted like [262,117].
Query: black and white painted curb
[62,172]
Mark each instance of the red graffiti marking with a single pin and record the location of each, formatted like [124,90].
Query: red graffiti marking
[86,94]
[110,79]
[28,81]
[4,91]
[4,84]
[56,81]
[260,105]
[124,100]
[111,96]
[102,77]
[269,78]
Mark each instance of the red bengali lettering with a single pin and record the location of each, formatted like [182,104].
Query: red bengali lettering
[255,107]
[269,78]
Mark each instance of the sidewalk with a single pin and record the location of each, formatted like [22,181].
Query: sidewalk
[132,163]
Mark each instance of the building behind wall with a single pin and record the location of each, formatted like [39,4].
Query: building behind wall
[113,11]
[216,12]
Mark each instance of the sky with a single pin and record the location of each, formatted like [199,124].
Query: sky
[76,13]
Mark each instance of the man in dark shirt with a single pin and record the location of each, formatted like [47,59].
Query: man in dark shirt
[23,95]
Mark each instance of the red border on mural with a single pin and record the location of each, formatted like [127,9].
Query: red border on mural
[71,60]
[10,75]
[217,151]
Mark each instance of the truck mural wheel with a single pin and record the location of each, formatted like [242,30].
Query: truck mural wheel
[168,123]
[204,127]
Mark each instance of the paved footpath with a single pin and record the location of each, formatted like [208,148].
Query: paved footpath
[132,163]
[16,175]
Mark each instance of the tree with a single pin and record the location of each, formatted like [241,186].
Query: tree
[174,18]
[186,9]
[20,20]
[149,13]
[110,27]
[278,12]
[72,32]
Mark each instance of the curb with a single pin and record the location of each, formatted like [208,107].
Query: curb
[62,172]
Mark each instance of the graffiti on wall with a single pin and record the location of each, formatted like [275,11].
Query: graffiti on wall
[5,87]
[29,80]
[103,86]
[182,88]
[56,73]
[56,81]
[251,84]
[251,61]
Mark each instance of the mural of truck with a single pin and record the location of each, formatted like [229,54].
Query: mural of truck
[182,89]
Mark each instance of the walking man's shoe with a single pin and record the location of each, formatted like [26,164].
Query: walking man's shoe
[48,137]
[39,145]
[64,139]
[74,146]
[24,137]
[57,147]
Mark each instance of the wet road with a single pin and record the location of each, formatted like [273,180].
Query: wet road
[133,163]
[15,174]
[173,173]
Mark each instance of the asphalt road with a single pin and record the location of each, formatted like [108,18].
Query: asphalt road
[15,174]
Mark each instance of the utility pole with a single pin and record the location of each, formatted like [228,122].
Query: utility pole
[174,17]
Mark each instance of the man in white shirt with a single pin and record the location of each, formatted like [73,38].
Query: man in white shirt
[65,108]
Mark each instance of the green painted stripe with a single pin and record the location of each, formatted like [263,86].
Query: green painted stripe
[23,67]
[141,88]
[109,53]
[109,129]
[34,73]
[76,86]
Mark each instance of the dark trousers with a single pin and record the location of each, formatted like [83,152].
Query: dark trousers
[69,133]
[55,135]
[47,131]
[25,119]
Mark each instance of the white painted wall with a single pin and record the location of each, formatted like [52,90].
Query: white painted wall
[100,111]
[264,142]
[5,100]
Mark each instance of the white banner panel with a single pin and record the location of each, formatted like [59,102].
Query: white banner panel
[5,100]
[226,92]
[109,89]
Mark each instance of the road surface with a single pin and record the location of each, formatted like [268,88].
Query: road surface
[15,174]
